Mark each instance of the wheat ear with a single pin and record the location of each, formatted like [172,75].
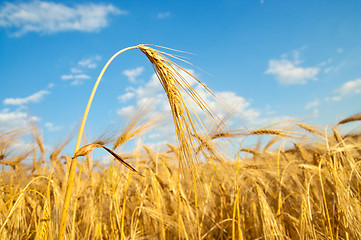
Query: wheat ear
[356,117]
[174,84]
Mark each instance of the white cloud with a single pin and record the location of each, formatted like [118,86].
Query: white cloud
[75,70]
[89,62]
[36,97]
[127,111]
[340,50]
[77,76]
[238,105]
[316,113]
[77,79]
[50,17]
[51,127]
[67,77]
[329,69]
[132,74]
[287,72]
[334,98]
[7,116]
[126,96]
[14,119]
[312,104]
[163,15]
[350,87]
[326,66]
[324,63]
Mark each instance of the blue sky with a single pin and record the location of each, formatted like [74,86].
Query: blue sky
[270,61]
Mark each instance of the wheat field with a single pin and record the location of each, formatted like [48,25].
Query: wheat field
[303,183]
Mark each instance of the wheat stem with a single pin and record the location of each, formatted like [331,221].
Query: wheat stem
[72,168]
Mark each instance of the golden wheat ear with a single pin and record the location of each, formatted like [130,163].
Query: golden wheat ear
[177,88]
[136,126]
[356,117]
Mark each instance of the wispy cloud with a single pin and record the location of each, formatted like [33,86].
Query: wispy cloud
[125,97]
[329,69]
[77,75]
[7,116]
[50,17]
[334,98]
[350,87]
[163,15]
[132,74]
[36,97]
[90,62]
[76,79]
[14,119]
[288,72]
[346,89]
[51,127]
[312,104]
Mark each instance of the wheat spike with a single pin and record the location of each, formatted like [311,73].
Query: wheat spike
[252,151]
[356,117]
[310,129]
[43,235]
[206,143]
[301,151]
[271,143]
[264,131]
[135,127]
[174,84]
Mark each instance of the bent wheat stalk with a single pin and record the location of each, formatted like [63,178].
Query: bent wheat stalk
[174,85]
